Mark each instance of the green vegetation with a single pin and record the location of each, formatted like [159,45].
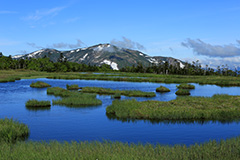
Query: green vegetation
[39,84]
[225,149]
[116,96]
[12,131]
[129,93]
[182,92]
[72,98]
[218,107]
[186,86]
[12,75]
[57,91]
[162,89]
[36,103]
[73,87]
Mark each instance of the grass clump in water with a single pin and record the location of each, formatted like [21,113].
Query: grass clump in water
[73,98]
[57,91]
[185,86]
[80,100]
[107,150]
[129,93]
[12,131]
[39,84]
[116,96]
[162,89]
[218,107]
[73,87]
[183,92]
[36,103]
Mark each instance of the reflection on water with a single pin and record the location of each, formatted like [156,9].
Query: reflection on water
[35,109]
[201,122]
[91,123]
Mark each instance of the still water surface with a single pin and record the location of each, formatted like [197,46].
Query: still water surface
[91,123]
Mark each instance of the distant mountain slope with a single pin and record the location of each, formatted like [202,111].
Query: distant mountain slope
[102,53]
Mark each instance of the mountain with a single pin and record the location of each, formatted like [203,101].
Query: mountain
[99,54]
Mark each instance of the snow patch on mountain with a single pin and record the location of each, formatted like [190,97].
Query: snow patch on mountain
[181,65]
[18,56]
[84,57]
[152,60]
[35,53]
[112,64]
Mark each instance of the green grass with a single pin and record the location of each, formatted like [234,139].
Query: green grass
[36,103]
[73,87]
[225,149]
[12,131]
[129,93]
[39,84]
[182,92]
[12,75]
[162,89]
[116,96]
[185,86]
[57,91]
[73,98]
[218,107]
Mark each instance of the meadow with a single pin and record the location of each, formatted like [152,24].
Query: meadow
[12,75]
[218,107]
[225,149]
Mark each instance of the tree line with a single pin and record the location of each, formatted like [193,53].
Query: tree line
[62,65]
[45,64]
[194,68]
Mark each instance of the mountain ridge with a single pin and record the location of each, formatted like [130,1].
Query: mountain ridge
[99,54]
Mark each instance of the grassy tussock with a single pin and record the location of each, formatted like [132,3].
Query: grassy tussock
[71,98]
[36,103]
[162,89]
[225,149]
[129,93]
[116,96]
[73,87]
[182,92]
[39,84]
[185,86]
[12,131]
[218,107]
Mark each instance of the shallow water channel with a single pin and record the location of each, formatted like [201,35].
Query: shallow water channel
[91,123]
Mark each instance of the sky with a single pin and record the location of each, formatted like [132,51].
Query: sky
[190,30]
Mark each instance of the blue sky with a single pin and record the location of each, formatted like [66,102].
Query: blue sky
[186,29]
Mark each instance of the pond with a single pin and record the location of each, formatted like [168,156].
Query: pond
[91,123]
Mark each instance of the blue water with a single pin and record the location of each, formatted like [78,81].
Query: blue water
[91,123]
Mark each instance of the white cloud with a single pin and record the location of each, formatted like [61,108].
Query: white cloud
[40,14]
[7,12]
[127,43]
[214,62]
[71,20]
[201,48]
